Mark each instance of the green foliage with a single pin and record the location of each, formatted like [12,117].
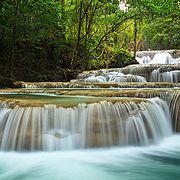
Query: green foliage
[38,35]
[96,64]
[122,58]
[162,34]
[155,8]
[34,20]
[159,19]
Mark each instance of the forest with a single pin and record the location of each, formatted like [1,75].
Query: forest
[53,40]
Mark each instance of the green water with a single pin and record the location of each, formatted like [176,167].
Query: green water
[60,100]
[157,162]
[49,99]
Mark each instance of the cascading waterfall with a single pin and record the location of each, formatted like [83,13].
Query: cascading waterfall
[75,119]
[111,75]
[90,85]
[169,76]
[155,73]
[133,73]
[87,125]
[115,77]
[158,57]
[147,71]
[78,119]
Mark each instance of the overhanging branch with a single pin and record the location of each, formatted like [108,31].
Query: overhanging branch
[114,28]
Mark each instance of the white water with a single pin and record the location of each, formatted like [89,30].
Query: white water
[159,58]
[169,76]
[159,162]
[94,125]
[115,77]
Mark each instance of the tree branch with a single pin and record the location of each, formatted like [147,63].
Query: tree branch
[114,28]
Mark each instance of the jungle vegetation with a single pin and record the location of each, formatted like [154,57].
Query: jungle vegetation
[53,40]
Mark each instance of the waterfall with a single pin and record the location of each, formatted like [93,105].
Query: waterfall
[90,85]
[100,124]
[158,57]
[169,76]
[151,53]
[147,71]
[132,73]
[115,77]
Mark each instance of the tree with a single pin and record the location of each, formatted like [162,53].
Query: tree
[160,19]
[97,22]
[61,37]
[29,25]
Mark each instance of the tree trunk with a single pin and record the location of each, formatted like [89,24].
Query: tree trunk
[13,39]
[135,38]
[76,48]
[12,52]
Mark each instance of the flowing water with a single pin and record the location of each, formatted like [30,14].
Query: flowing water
[55,137]
[158,162]
[169,76]
[132,73]
[132,139]
[102,124]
